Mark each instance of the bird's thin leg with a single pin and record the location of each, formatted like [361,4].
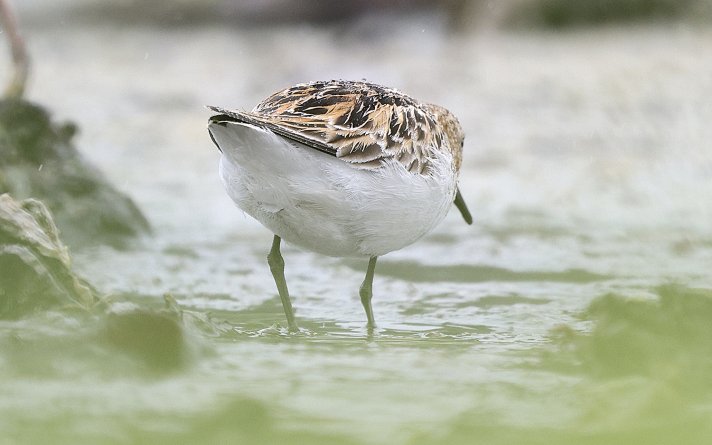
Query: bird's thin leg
[366,291]
[276,265]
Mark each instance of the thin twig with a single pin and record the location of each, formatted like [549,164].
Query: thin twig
[20,59]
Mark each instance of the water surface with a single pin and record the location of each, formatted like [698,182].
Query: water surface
[587,169]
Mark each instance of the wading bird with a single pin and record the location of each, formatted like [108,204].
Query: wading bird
[345,169]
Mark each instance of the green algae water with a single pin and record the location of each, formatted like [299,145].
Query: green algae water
[576,310]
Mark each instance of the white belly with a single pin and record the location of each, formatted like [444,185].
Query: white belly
[324,204]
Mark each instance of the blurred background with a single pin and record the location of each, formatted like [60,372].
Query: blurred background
[609,86]
[575,310]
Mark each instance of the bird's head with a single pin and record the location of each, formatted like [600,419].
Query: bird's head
[454,136]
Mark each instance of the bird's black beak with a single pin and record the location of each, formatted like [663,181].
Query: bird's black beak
[462,207]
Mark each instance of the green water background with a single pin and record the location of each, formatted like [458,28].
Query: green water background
[574,310]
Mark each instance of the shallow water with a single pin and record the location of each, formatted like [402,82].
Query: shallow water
[588,170]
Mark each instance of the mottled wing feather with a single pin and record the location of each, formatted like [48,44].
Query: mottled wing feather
[248,118]
[358,122]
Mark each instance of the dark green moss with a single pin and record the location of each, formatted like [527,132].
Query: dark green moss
[38,160]
[564,13]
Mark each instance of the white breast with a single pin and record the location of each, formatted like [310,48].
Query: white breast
[324,204]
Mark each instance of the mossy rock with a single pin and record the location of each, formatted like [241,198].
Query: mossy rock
[35,268]
[38,160]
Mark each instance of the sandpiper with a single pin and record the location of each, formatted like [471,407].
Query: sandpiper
[342,168]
